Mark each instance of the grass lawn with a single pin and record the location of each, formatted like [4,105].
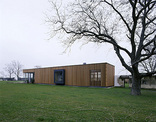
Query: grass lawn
[34,102]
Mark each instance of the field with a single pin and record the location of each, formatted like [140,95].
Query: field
[34,102]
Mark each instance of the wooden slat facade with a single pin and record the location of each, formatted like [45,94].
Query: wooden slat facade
[76,75]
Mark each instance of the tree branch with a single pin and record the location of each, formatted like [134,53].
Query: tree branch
[145,58]
[128,27]
[147,74]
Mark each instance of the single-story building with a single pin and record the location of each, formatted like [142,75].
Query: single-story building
[99,74]
[148,82]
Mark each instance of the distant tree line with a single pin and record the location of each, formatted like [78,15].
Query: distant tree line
[14,68]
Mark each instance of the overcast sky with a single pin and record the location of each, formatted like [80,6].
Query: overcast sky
[24,38]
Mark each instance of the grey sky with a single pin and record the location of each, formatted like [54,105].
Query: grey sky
[24,37]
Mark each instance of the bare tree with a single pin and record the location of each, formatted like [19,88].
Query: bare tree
[148,65]
[9,70]
[17,66]
[115,22]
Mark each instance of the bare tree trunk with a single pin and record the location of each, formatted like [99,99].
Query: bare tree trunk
[136,84]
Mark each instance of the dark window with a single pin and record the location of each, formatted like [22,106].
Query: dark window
[95,75]
[59,76]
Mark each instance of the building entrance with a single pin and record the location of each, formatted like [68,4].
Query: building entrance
[30,77]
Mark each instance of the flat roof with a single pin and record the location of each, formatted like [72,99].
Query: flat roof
[69,66]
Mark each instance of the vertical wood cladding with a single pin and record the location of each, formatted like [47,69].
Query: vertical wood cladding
[76,75]
[109,73]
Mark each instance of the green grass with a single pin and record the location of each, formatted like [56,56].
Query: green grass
[34,102]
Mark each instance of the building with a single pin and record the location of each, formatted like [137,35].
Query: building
[148,82]
[99,74]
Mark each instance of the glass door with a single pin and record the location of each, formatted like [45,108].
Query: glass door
[30,77]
